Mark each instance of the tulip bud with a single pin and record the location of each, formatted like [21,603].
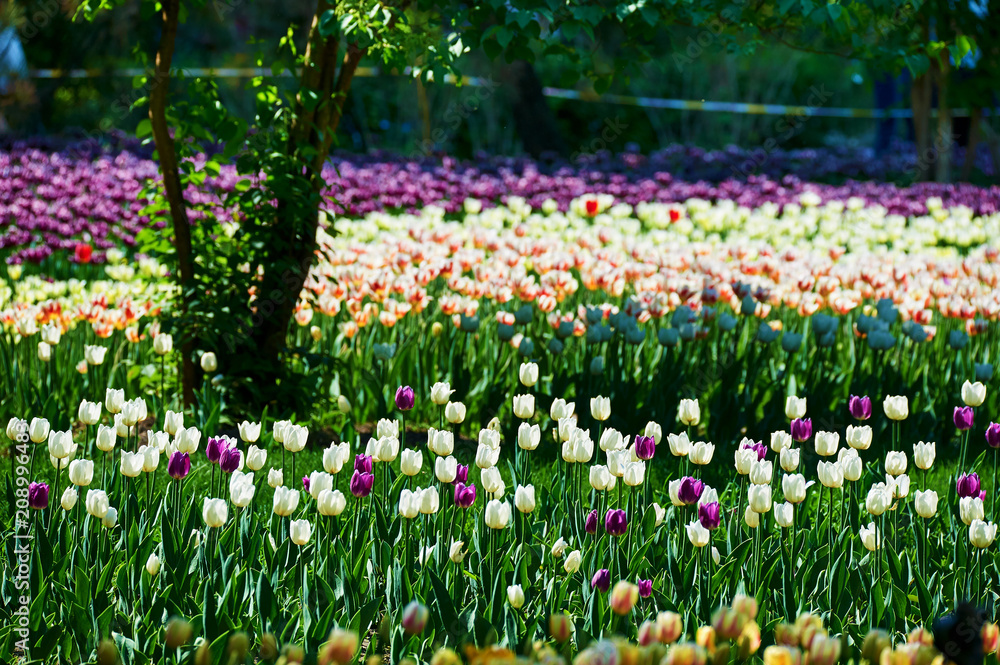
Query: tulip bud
[560,627]
[874,644]
[415,617]
[153,565]
[624,597]
[107,652]
[178,633]
[268,647]
[339,649]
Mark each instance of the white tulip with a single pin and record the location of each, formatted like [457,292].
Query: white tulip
[784,514]
[97,503]
[411,461]
[275,478]
[852,468]
[524,498]
[441,393]
[871,537]
[759,498]
[497,514]
[215,512]
[409,504]
[296,437]
[38,430]
[660,512]
[89,412]
[971,509]
[751,518]
[299,531]
[110,519]
[163,344]
[515,596]
[600,408]
[209,363]
[486,457]
[173,422]
[256,457]
[331,503]
[492,481]
[793,486]
[81,472]
[827,443]
[761,472]
[702,453]
[561,409]
[153,562]
[94,355]
[599,477]
[789,459]
[680,444]
[896,407]
[688,412]
[114,400]
[319,481]
[830,474]
[528,374]
[456,552]
[528,436]
[249,432]
[241,489]
[672,490]
[780,441]
[697,534]
[285,501]
[69,498]
[635,472]
[745,459]
[573,561]
[60,444]
[440,442]
[924,454]
[429,501]
[654,431]
[150,458]
[926,503]
[454,412]
[879,499]
[795,407]
[973,394]
[982,534]
[859,437]
[895,463]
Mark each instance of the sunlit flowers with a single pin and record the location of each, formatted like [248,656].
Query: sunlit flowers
[973,394]
[896,407]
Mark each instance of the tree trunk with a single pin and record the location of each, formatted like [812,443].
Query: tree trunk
[943,145]
[171,177]
[536,126]
[970,151]
[920,102]
[310,139]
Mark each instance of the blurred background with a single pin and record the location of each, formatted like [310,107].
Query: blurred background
[508,114]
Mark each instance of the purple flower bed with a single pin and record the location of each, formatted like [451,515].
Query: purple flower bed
[54,197]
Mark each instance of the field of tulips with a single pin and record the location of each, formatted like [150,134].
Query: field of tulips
[582,417]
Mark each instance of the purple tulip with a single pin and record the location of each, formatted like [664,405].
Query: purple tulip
[757,447]
[963,417]
[690,490]
[993,435]
[982,495]
[230,459]
[802,429]
[645,588]
[461,473]
[38,496]
[968,485]
[305,482]
[590,524]
[361,483]
[645,446]
[465,495]
[615,522]
[404,398]
[601,580]
[860,407]
[214,448]
[179,465]
[710,515]
[363,463]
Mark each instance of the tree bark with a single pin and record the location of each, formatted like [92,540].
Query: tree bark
[970,150]
[171,177]
[536,126]
[943,145]
[920,102]
[310,139]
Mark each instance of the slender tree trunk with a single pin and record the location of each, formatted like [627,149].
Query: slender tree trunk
[920,102]
[171,177]
[536,126]
[310,139]
[970,151]
[943,145]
